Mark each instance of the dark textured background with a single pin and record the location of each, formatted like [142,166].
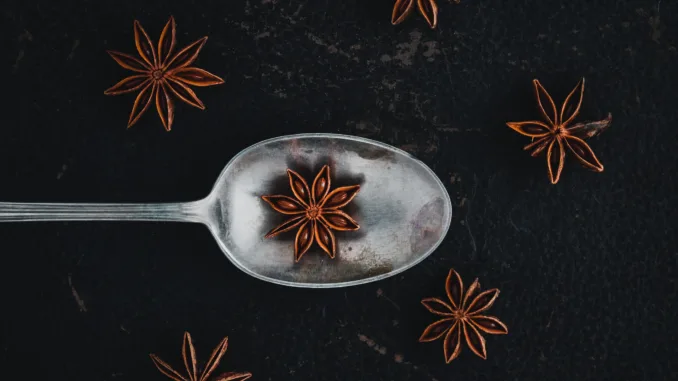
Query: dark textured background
[587,268]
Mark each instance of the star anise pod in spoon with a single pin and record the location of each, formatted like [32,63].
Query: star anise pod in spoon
[428,8]
[462,316]
[161,74]
[315,211]
[193,373]
[557,135]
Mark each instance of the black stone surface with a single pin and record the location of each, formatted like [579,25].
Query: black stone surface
[586,268]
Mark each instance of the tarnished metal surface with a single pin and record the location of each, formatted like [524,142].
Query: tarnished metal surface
[403,209]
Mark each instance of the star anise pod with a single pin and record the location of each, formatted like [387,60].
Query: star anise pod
[557,133]
[314,211]
[190,362]
[427,8]
[462,316]
[161,74]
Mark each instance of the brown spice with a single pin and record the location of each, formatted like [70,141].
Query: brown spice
[462,317]
[428,8]
[161,74]
[314,211]
[190,362]
[556,134]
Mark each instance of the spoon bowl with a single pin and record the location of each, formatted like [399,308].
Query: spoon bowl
[403,210]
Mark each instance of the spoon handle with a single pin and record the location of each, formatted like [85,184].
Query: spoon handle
[181,212]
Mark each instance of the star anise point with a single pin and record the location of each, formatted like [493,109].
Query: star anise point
[315,211]
[427,8]
[557,133]
[190,363]
[161,74]
[463,318]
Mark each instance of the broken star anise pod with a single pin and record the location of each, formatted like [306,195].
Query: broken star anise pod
[191,364]
[557,135]
[161,74]
[428,8]
[462,316]
[314,211]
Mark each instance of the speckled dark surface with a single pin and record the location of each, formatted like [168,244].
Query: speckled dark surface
[586,268]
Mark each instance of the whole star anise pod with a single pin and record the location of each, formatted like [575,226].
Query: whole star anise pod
[314,211]
[557,133]
[190,362]
[161,74]
[428,8]
[462,317]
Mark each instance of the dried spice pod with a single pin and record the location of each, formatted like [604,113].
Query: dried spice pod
[428,8]
[462,316]
[191,364]
[161,74]
[556,135]
[314,212]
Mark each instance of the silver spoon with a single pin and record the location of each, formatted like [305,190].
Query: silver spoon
[403,210]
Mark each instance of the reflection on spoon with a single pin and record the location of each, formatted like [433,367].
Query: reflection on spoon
[403,210]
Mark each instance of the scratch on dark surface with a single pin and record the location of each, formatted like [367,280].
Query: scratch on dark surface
[299,8]
[262,35]
[365,127]
[468,212]
[330,47]
[26,35]
[428,147]
[655,24]
[653,21]
[280,93]
[513,224]
[76,43]
[431,50]
[550,318]
[447,67]
[411,148]
[17,60]
[380,294]
[407,50]
[241,25]
[417,106]
[455,129]
[389,85]
[80,259]
[80,302]
[398,358]
[61,172]
[289,19]
[122,328]
[372,344]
